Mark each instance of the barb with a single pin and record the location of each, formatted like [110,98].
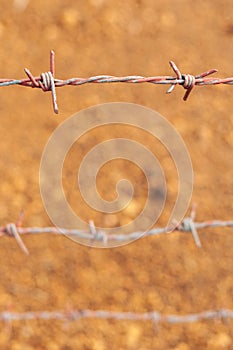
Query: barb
[12,230]
[187,225]
[48,82]
[153,316]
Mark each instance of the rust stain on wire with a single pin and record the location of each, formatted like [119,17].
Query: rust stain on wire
[47,81]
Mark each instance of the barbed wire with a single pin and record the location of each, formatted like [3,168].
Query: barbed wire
[47,81]
[187,225]
[153,316]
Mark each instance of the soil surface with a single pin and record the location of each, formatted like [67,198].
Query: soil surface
[166,273]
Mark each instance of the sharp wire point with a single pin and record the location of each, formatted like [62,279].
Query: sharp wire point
[20,219]
[52,62]
[195,234]
[30,76]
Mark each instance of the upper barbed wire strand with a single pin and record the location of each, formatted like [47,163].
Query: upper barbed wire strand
[48,82]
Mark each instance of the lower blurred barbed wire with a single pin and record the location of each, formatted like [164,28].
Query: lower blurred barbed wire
[187,225]
[153,316]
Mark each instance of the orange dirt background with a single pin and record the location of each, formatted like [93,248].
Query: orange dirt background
[164,273]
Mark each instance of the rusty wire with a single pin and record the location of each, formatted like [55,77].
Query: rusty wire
[187,225]
[153,316]
[47,81]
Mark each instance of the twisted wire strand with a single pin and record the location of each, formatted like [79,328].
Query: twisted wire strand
[187,225]
[48,82]
[153,316]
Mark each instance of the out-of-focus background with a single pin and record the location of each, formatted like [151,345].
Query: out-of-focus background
[165,273]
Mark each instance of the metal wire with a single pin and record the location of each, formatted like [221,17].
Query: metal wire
[154,316]
[188,225]
[48,82]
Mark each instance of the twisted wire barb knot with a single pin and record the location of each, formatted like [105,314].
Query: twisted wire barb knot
[188,81]
[12,230]
[46,81]
[188,225]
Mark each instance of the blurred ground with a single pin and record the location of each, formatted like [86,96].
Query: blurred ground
[168,274]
